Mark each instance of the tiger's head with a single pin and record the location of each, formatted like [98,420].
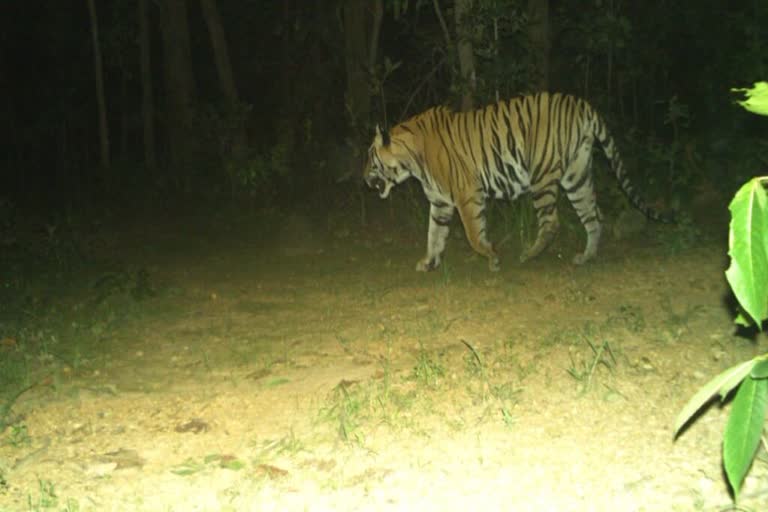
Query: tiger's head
[390,162]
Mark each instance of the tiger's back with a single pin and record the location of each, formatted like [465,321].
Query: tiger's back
[537,143]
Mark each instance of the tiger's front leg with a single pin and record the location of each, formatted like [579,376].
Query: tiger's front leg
[440,215]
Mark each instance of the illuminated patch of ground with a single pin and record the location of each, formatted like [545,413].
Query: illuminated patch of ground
[334,377]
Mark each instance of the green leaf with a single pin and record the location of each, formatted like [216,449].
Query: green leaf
[188,467]
[743,430]
[185,471]
[760,370]
[734,379]
[722,384]
[757,98]
[212,457]
[233,464]
[748,249]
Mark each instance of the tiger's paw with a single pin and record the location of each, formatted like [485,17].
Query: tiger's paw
[426,264]
[493,264]
[582,258]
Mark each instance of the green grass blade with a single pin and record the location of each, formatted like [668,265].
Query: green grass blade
[743,430]
[748,249]
[722,384]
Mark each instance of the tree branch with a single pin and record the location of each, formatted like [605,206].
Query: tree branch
[373,47]
[446,33]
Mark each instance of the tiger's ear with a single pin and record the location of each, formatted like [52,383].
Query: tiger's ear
[382,138]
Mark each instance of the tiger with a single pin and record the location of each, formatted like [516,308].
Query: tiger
[533,143]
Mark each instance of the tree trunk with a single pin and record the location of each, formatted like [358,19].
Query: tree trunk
[466,54]
[126,115]
[179,84]
[220,50]
[538,34]
[358,99]
[373,45]
[102,106]
[288,117]
[226,78]
[361,54]
[147,94]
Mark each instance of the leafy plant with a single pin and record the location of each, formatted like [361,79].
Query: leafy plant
[19,436]
[757,98]
[748,278]
[427,371]
[47,497]
[72,505]
[255,175]
[346,410]
[602,355]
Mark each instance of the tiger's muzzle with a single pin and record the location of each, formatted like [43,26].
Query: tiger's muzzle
[381,185]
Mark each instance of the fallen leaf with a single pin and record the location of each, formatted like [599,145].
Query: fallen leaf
[269,471]
[8,343]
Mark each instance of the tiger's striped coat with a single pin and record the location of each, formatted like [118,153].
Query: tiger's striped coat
[536,143]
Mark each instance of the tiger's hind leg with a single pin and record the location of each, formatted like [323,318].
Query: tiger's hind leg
[545,205]
[472,213]
[578,186]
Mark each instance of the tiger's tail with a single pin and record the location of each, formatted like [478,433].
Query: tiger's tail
[611,151]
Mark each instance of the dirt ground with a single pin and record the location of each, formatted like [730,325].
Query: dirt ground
[319,371]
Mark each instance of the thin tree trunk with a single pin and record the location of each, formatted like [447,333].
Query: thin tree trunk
[361,45]
[373,52]
[147,94]
[358,100]
[538,34]
[287,119]
[125,115]
[373,45]
[102,106]
[220,50]
[443,24]
[226,76]
[466,54]
[612,9]
[180,86]
[635,107]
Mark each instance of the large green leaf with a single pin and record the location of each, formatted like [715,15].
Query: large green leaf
[760,371]
[722,384]
[743,430]
[748,249]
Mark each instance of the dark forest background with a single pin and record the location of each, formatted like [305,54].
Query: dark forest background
[266,103]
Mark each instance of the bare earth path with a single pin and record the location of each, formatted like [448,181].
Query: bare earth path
[323,373]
